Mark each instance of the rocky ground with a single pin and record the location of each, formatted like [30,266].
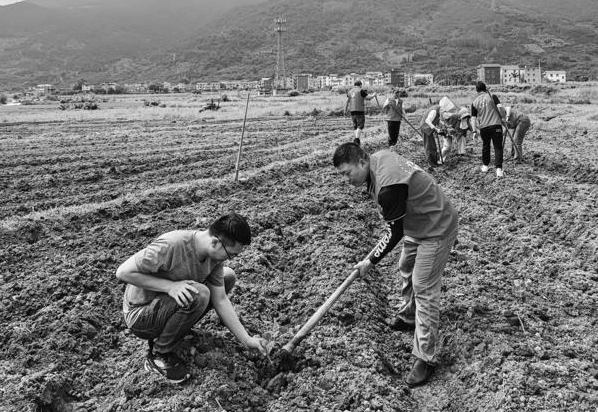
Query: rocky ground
[518,323]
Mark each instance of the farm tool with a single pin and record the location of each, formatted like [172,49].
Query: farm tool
[422,136]
[241,143]
[409,123]
[287,360]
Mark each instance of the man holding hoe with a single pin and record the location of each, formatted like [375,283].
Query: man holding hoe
[174,281]
[356,98]
[414,206]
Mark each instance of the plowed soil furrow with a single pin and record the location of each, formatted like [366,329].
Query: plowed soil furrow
[519,291]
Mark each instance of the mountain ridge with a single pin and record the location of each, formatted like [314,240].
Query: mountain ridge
[62,44]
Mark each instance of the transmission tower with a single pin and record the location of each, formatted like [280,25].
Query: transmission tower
[409,65]
[280,28]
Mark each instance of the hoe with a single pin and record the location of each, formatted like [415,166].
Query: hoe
[287,361]
[507,129]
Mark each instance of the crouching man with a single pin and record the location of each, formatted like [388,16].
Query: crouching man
[415,206]
[174,281]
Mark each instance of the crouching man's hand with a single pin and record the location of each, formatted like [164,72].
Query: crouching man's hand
[363,267]
[258,344]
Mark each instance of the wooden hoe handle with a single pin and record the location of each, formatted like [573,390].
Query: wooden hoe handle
[315,318]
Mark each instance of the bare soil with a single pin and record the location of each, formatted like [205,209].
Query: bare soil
[520,292]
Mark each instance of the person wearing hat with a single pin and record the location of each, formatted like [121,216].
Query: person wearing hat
[356,98]
[486,118]
[459,125]
[521,123]
[393,107]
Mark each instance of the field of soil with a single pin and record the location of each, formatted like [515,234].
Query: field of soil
[81,194]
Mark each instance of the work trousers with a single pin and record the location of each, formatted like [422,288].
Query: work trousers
[494,134]
[456,137]
[430,146]
[167,323]
[520,130]
[447,144]
[461,141]
[421,266]
[394,127]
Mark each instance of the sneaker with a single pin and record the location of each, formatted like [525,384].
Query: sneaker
[499,172]
[167,365]
[484,168]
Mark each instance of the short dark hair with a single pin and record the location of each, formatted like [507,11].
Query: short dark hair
[233,227]
[357,83]
[349,153]
[480,86]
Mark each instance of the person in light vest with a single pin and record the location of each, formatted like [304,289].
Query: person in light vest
[430,128]
[393,107]
[486,118]
[356,98]
[521,123]
[414,206]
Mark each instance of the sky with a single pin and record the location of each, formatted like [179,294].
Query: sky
[5,2]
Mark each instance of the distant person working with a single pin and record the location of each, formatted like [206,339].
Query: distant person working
[356,98]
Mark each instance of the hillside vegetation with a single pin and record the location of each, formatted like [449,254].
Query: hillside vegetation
[194,41]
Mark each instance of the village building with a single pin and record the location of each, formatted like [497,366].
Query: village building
[533,75]
[489,73]
[512,74]
[559,76]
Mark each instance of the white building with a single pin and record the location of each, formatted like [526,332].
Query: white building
[348,80]
[373,79]
[559,76]
[512,75]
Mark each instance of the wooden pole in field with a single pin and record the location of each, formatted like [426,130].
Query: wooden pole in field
[242,134]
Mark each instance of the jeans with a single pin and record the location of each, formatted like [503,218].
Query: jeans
[421,265]
[167,323]
[494,134]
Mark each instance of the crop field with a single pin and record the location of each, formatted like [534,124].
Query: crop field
[84,190]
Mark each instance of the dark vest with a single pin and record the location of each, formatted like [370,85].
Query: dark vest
[487,111]
[424,126]
[356,101]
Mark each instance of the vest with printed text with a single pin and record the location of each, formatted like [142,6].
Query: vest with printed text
[429,213]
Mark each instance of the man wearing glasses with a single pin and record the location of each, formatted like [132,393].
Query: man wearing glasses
[174,281]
